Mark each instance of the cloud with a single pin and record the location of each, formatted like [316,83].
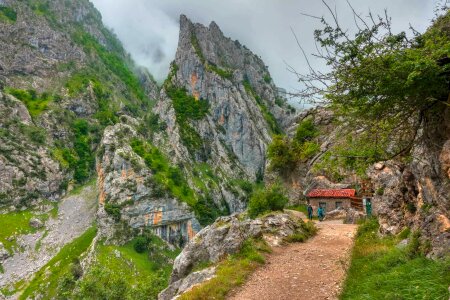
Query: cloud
[149,28]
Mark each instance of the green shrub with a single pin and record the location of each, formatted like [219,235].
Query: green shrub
[380,191]
[7,14]
[411,207]
[271,199]
[36,104]
[140,244]
[188,108]
[267,78]
[34,133]
[306,131]
[282,158]
[113,210]
[280,102]
[246,186]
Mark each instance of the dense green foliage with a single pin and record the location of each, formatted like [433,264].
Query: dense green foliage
[285,154]
[382,85]
[188,108]
[115,63]
[231,272]
[132,275]
[272,198]
[47,279]
[80,158]
[35,103]
[268,116]
[381,270]
[7,14]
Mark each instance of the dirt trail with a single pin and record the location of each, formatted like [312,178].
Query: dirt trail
[311,270]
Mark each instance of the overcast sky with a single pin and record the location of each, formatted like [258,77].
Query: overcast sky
[149,28]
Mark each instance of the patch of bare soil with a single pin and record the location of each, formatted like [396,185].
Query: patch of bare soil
[311,270]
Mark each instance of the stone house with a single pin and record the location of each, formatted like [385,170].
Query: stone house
[331,199]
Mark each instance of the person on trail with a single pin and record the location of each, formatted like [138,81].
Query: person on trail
[368,208]
[320,213]
[310,211]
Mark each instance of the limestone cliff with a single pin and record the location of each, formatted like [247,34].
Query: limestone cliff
[212,123]
[417,194]
[241,114]
[61,71]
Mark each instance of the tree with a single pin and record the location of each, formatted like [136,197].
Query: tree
[281,157]
[381,84]
[272,198]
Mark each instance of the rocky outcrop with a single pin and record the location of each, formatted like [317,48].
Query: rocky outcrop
[226,236]
[48,57]
[28,172]
[416,194]
[126,183]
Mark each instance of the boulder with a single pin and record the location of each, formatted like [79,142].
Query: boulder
[353,216]
[225,236]
[187,283]
[36,223]
[336,214]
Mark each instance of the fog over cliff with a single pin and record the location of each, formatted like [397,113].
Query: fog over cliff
[149,28]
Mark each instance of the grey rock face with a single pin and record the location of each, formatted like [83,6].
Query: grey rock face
[235,134]
[187,283]
[27,169]
[124,179]
[352,216]
[416,196]
[224,237]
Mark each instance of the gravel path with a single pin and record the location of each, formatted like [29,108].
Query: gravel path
[76,214]
[311,270]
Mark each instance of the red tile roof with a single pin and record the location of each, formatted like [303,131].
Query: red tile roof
[321,193]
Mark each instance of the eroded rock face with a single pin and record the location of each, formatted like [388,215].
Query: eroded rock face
[234,132]
[27,169]
[224,237]
[125,181]
[417,194]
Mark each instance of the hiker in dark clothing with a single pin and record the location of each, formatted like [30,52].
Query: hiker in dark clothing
[320,213]
[369,208]
[310,212]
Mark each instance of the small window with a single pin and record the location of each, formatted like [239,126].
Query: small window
[338,204]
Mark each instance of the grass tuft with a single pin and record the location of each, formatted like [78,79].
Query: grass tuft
[231,272]
[380,270]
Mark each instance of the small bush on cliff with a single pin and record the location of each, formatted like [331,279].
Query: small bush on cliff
[7,14]
[140,244]
[270,199]
[285,153]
